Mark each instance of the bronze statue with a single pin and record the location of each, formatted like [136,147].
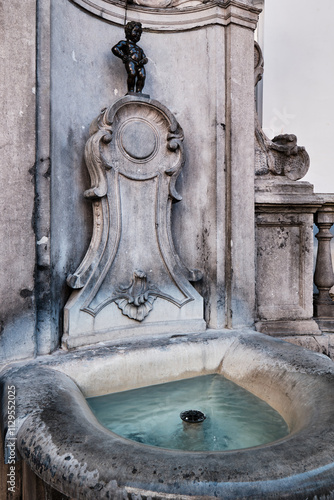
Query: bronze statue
[132,56]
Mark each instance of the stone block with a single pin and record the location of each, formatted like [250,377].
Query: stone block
[323,310]
[284,238]
[319,343]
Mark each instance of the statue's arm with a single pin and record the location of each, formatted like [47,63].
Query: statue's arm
[143,60]
[119,50]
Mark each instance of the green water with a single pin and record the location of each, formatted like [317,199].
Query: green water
[235,418]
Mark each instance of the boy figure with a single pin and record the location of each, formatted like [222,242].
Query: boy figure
[132,56]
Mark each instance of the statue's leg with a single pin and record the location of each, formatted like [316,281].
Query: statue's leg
[141,75]
[131,70]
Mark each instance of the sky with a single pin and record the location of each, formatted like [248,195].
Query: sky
[298,85]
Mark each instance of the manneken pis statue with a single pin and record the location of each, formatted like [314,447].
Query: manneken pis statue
[132,56]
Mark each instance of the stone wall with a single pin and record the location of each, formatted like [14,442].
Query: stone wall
[201,68]
[187,73]
[17,172]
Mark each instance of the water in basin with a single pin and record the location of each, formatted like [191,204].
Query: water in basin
[235,418]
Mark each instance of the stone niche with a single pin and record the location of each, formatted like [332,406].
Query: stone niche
[201,68]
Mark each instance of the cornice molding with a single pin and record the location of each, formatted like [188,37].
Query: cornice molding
[174,19]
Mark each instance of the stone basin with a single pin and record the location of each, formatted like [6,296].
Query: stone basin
[63,443]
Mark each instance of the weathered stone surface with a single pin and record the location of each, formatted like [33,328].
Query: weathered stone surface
[159,17]
[284,235]
[331,344]
[131,273]
[47,329]
[219,145]
[317,343]
[239,258]
[279,156]
[72,452]
[17,145]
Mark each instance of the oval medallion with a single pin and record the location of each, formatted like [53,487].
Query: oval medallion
[138,140]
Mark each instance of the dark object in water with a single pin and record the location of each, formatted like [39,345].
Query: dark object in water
[192,416]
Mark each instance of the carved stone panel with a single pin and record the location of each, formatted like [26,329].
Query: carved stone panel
[131,280]
[284,276]
[280,269]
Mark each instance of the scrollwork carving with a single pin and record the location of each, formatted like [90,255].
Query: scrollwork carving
[134,156]
[164,4]
[136,299]
[100,131]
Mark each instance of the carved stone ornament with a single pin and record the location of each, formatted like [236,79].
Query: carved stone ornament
[136,299]
[258,63]
[280,156]
[152,4]
[163,4]
[134,156]
[174,15]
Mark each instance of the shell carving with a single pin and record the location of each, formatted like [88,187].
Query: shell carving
[136,299]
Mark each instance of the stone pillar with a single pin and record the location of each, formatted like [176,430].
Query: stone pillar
[239,201]
[47,330]
[284,282]
[17,138]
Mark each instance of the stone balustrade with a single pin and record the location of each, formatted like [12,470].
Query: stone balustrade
[286,306]
[324,275]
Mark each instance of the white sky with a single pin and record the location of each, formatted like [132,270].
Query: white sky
[299,80]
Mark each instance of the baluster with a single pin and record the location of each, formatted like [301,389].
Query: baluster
[324,275]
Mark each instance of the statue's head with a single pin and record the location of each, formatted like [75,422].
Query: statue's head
[133,31]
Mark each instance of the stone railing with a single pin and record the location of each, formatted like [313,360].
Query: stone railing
[324,275]
[285,212]
[286,307]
